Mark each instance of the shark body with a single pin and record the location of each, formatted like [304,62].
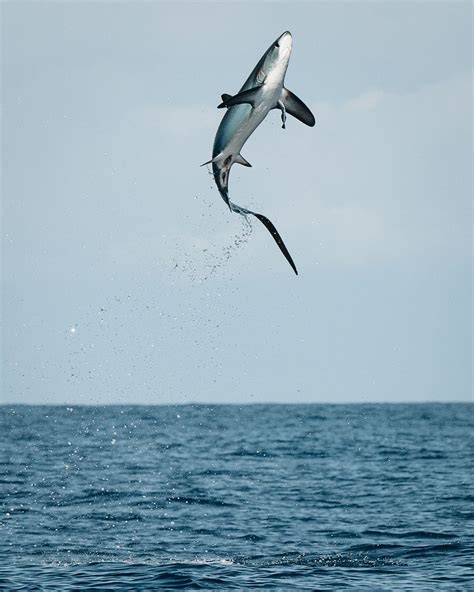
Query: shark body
[263,91]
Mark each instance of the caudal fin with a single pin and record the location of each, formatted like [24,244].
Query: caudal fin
[271,229]
[276,235]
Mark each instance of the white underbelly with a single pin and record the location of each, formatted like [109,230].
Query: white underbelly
[246,129]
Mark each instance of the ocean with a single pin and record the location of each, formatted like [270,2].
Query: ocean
[308,497]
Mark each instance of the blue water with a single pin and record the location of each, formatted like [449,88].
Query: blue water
[318,497]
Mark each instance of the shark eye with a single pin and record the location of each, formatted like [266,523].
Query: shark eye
[277,44]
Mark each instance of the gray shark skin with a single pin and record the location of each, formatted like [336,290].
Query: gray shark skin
[263,91]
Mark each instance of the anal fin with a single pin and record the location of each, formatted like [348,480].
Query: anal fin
[239,159]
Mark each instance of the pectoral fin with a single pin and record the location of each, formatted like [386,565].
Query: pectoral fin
[295,106]
[247,96]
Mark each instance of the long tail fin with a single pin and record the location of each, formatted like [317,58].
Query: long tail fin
[271,229]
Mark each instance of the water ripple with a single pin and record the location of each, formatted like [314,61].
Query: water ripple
[366,497]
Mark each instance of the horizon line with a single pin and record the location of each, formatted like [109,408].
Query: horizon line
[246,404]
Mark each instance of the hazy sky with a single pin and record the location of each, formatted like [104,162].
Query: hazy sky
[125,277]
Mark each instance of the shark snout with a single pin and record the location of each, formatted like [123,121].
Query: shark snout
[284,42]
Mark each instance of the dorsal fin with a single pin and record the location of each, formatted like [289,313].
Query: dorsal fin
[246,96]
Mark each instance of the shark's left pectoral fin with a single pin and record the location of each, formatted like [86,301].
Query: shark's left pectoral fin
[247,96]
[295,106]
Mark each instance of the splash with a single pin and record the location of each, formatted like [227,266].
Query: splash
[214,256]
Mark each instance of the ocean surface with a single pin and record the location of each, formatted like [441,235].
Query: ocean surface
[309,497]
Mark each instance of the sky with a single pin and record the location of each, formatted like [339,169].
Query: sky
[126,279]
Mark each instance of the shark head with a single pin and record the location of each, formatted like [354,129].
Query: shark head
[275,60]
[283,43]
